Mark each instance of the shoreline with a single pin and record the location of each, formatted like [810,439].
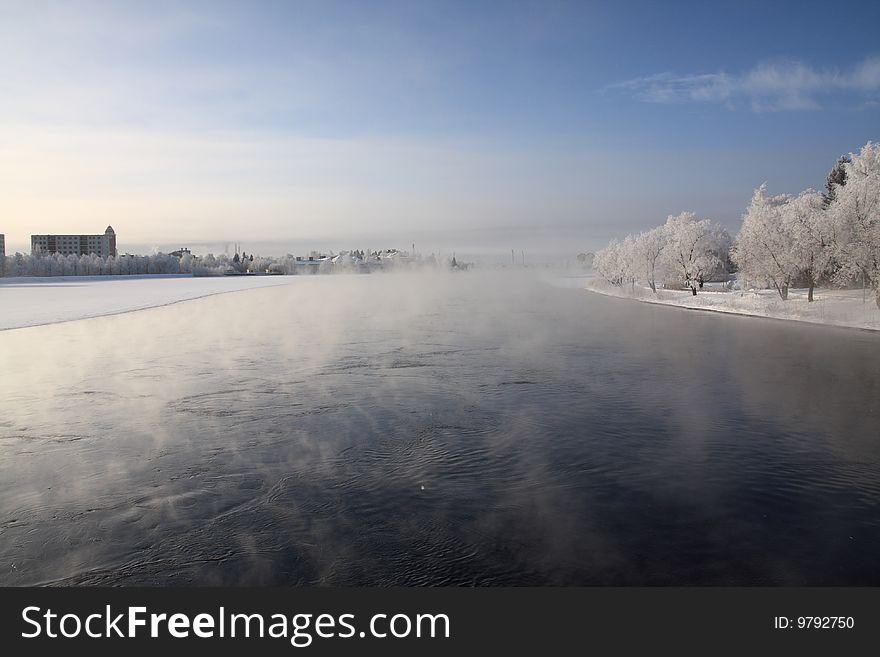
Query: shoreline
[763,305]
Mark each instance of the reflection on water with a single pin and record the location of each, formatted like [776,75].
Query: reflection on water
[457,429]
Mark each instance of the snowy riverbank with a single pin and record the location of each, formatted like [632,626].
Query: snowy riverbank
[832,307]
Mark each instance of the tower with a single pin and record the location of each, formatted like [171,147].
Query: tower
[111,241]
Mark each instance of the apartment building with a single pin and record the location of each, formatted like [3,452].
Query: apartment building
[101,245]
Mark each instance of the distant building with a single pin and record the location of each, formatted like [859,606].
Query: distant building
[101,245]
[181,252]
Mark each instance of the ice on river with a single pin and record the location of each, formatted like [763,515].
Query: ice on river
[36,301]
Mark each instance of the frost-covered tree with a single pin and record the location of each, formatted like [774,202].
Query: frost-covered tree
[693,249]
[186,263]
[602,261]
[813,235]
[629,259]
[647,252]
[856,209]
[764,249]
[611,263]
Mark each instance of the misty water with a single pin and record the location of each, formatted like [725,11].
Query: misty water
[449,429]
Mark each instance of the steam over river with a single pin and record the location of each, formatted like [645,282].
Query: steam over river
[469,429]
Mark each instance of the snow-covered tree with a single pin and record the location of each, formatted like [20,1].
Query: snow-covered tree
[647,253]
[611,263]
[186,263]
[856,209]
[813,235]
[629,258]
[693,249]
[764,249]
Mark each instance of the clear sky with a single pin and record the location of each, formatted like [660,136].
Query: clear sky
[478,125]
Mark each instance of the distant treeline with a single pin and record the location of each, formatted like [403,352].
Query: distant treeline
[55,264]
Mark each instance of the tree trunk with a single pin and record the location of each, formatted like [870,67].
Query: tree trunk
[877,297]
[653,286]
[694,290]
[784,293]
[811,277]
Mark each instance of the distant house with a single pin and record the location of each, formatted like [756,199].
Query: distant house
[307,265]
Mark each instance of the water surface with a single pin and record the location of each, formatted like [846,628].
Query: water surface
[473,429]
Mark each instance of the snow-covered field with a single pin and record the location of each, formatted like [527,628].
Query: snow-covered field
[834,307]
[34,301]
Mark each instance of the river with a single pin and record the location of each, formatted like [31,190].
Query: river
[472,429]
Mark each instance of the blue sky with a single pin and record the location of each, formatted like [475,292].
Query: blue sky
[482,125]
